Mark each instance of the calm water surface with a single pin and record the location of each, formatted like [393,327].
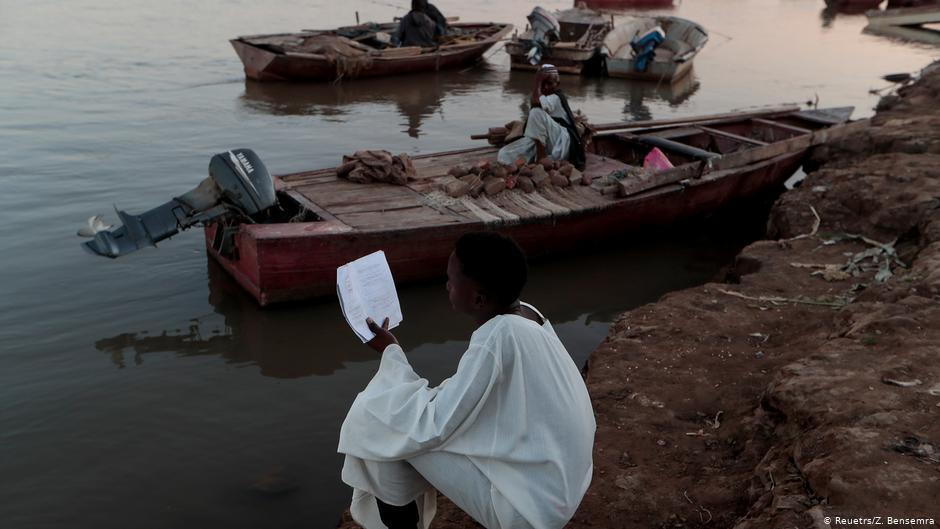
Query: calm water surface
[149,391]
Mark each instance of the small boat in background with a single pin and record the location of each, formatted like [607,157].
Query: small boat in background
[907,23]
[359,51]
[894,4]
[905,16]
[569,39]
[850,7]
[616,5]
[657,48]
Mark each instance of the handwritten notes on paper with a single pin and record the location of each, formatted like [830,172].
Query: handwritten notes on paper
[366,290]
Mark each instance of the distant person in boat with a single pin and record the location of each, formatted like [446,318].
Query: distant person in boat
[551,129]
[421,26]
[508,437]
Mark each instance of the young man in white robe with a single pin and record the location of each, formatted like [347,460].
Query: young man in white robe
[508,438]
[550,129]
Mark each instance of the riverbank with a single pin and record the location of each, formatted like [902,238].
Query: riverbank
[806,382]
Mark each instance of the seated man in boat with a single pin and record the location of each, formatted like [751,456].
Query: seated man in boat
[420,26]
[508,437]
[550,128]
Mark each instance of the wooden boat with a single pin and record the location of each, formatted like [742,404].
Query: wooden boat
[852,6]
[922,34]
[616,5]
[893,4]
[718,159]
[577,50]
[397,92]
[672,59]
[905,16]
[358,51]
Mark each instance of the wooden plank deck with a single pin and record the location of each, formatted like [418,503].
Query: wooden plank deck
[421,203]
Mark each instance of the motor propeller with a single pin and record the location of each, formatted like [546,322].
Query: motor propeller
[238,185]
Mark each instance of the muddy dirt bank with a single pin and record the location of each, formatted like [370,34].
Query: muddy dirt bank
[805,383]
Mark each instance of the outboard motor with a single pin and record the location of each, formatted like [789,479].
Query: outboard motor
[238,185]
[644,47]
[545,30]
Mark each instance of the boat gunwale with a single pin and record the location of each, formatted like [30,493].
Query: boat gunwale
[503,29]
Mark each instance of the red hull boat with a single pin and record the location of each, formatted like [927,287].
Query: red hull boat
[717,159]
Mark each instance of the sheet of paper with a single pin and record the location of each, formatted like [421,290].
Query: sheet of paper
[366,289]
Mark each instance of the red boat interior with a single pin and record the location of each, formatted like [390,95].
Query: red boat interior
[696,142]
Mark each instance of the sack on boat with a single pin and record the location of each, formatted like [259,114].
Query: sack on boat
[368,166]
[583,126]
[348,56]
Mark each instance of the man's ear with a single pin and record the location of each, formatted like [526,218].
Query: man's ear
[479,300]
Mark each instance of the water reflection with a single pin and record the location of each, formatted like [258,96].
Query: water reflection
[417,96]
[637,95]
[586,288]
[268,338]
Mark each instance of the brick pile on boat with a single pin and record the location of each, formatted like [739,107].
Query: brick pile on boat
[493,178]
[368,166]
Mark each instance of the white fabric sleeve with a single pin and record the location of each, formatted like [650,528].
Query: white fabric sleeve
[550,104]
[398,416]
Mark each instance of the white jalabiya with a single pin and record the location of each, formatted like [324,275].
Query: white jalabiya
[508,438]
[542,128]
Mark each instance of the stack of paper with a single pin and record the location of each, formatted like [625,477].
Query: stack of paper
[366,290]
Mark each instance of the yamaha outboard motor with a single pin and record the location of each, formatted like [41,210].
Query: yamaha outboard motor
[238,185]
[644,47]
[545,30]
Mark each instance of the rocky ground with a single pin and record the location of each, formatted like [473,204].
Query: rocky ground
[804,384]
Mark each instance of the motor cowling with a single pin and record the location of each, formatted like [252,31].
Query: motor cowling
[238,185]
[644,47]
[545,30]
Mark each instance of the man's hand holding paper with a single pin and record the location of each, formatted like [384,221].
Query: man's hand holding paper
[383,338]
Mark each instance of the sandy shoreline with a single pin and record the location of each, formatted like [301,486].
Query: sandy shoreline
[806,383]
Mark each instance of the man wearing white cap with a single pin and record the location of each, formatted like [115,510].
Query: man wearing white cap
[550,129]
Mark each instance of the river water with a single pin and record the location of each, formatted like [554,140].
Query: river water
[149,391]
